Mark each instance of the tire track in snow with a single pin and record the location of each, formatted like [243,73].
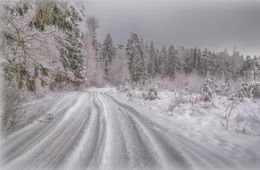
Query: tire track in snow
[200,156]
[93,130]
[87,154]
[189,153]
[170,156]
[139,146]
[42,143]
[54,109]
[127,147]
[21,141]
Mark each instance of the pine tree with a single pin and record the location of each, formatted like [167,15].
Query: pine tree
[42,47]
[247,65]
[158,62]
[53,32]
[236,61]
[204,62]
[227,70]
[108,53]
[164,62]
[92,24]
[212,64]
[181,55]
[197,61]
[95,71]
[152,59]
[119,68]
[72,54]
[136,63]
[256,67]
[188,65]
[172,62]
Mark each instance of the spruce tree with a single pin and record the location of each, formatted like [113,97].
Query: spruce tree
[247,66]
[72,55]
[164,62]
[197,61]
[256,67]
[137,69]
[172,62]
[108,53]
[189,62]
[204,62]
[92,24]
[71,51]
[53,32]
[158,62]
[151,62]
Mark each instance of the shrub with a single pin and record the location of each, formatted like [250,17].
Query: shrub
[223,88]
[208,90]
[151,94]
[251,89]
[123,89]
[12,111]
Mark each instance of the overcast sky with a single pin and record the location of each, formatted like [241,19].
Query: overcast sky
[211,24]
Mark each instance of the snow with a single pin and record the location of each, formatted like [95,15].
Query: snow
[101,128]
[188,107]
[201,121]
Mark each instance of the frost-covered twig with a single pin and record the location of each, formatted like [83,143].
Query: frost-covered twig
[255,117]
[230,108]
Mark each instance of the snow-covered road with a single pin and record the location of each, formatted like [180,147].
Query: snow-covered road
[93,130]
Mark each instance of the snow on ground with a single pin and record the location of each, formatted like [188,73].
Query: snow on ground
[104,129]
[205,122]
[187,108]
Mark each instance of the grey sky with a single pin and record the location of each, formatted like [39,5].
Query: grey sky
[211,24]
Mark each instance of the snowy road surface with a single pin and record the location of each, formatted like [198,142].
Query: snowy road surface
[93,130]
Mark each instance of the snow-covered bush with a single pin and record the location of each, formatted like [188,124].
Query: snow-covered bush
[151,94]
[251,89]
[244,90]
[222,88]
[208,90]
[12,111]
[129,94]
[183,100]
[123,89]
[242,116]
[176,101]
[255,89]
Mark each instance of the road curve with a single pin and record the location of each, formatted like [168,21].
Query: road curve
[93,130]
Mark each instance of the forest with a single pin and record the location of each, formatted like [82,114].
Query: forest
[51,47]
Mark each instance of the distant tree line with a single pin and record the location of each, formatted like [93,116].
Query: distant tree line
[146,62]
[45,47]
